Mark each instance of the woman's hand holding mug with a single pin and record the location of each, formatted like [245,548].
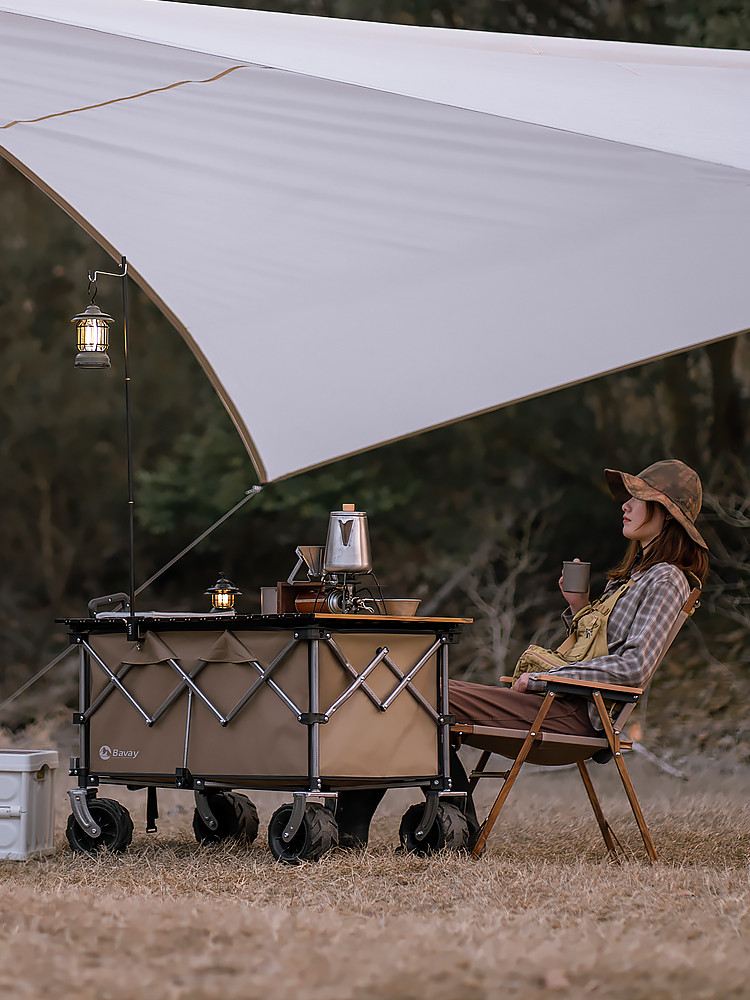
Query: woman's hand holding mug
[574,584]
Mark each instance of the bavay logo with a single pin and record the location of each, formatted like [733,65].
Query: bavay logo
[106,752]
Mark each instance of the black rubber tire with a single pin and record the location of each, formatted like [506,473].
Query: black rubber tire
[449,831]
[116,824]
[317,834]
[236,815]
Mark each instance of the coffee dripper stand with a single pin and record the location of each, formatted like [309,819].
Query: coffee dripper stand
[339,566]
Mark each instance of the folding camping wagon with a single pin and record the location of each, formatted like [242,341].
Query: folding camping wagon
[308,704]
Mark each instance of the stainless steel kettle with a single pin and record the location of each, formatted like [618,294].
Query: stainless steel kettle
[348,542]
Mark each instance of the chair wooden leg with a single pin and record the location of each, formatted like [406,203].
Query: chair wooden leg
[635,806]
[613,738]
[497,805]
[601,819]
[482,763]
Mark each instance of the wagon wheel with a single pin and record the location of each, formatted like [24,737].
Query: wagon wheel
[236,815]
[317,834]
[115,823]
[450,830]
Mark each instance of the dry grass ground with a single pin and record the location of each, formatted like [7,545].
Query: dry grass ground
[541,914]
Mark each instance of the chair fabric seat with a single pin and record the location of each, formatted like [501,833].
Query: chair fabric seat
[550,749]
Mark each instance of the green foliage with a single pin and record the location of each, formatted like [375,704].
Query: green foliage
[723,24]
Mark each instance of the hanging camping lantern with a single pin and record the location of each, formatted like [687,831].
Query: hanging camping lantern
[222,594]
[92,327]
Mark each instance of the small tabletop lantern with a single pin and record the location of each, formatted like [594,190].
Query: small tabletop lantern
[92,326]
[222,594]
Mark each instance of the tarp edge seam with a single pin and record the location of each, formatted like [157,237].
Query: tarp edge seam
[118,100]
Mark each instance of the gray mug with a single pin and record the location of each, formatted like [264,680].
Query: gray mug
[576,577]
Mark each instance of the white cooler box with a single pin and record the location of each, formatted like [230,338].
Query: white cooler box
[27,803]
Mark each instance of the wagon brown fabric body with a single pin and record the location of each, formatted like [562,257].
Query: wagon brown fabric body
[309,703]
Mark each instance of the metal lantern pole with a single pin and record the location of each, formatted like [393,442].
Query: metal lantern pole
[92,326]
[132,628]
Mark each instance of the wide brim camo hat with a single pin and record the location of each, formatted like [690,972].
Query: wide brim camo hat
[671,483]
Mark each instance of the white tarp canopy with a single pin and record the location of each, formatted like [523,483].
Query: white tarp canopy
[364,230]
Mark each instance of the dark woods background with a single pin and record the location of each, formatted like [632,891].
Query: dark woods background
[474,518]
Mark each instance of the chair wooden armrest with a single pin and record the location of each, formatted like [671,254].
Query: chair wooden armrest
[583,688]
[587,687]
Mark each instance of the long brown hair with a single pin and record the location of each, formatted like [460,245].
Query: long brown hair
[672,545]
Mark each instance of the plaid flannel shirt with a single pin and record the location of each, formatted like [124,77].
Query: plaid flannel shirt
[636,632]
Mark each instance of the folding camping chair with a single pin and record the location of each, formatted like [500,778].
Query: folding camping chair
[614,705]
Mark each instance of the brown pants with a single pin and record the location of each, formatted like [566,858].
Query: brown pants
[485,705]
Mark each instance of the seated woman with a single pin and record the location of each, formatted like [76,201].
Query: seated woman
[665,558]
